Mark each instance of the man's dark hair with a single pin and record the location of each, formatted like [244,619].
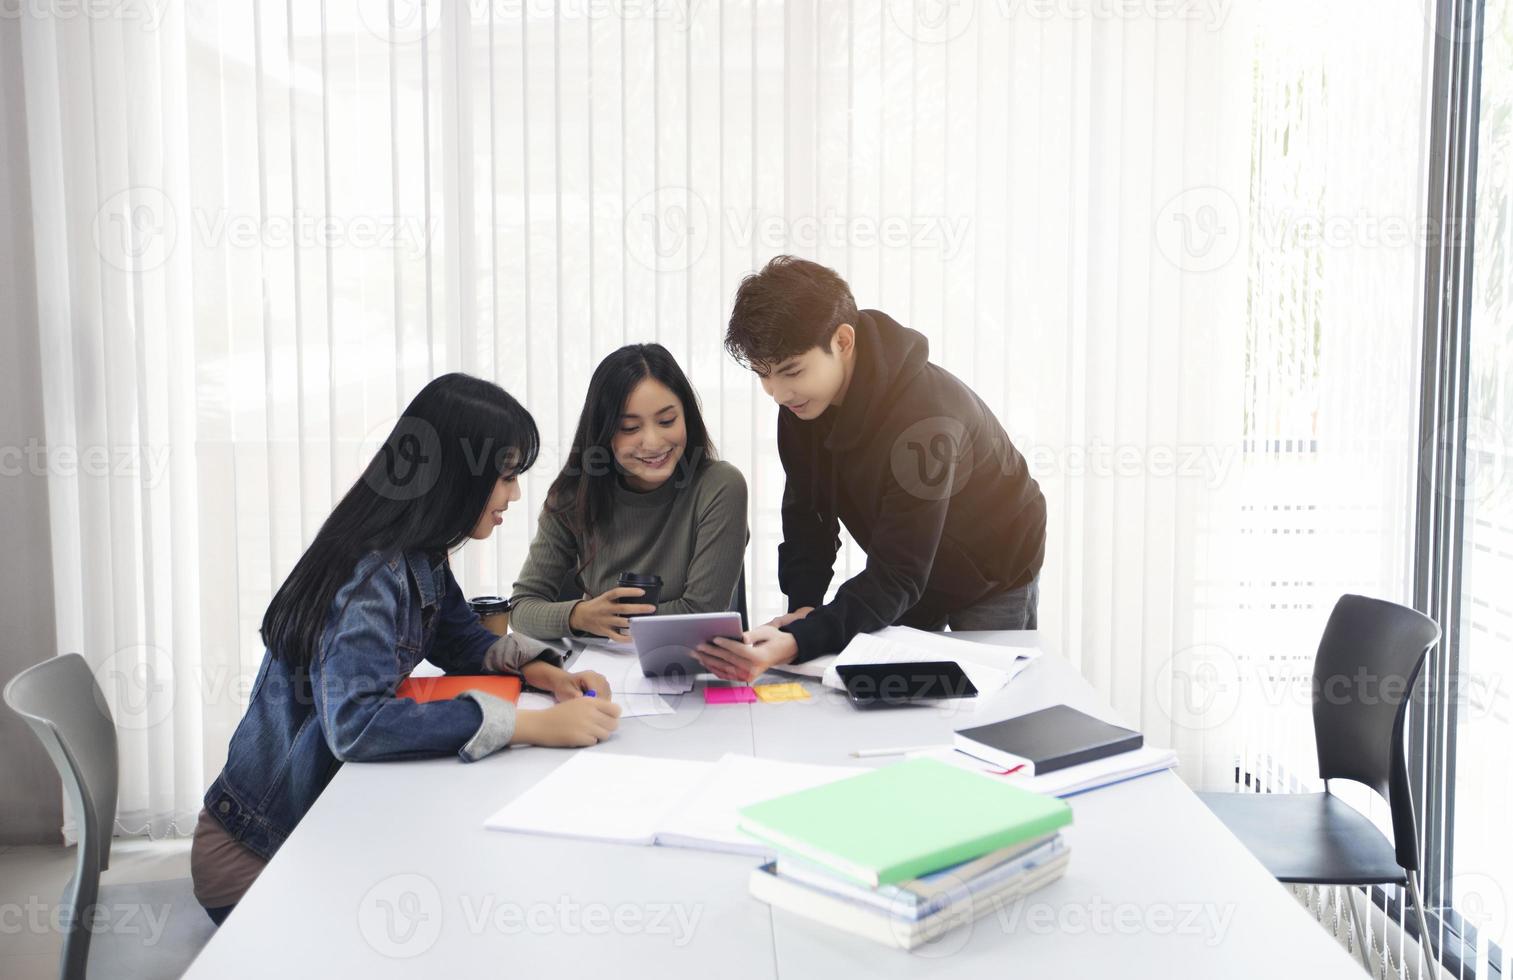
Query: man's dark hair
[790,307]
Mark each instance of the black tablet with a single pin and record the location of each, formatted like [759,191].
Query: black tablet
[892,685]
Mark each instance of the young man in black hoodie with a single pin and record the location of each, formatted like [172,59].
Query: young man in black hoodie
[874,436]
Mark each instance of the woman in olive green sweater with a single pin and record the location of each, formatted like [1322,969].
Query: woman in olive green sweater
[641,492]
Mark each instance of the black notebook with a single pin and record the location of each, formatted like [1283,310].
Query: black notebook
[1047,740]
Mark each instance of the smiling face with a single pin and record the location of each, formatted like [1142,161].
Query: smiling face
[650,437]
[806,384]
[506,491]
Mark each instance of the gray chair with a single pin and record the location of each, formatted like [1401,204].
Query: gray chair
[61,702]
[1359,732]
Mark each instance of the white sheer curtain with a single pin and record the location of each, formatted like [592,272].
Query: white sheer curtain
[262,226]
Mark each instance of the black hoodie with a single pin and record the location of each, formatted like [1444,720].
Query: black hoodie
[927,482]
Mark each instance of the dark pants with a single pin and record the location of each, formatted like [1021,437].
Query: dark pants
[218,915]
[1015,609]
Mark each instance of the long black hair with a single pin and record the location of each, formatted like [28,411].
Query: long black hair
[582,493]
[425,488]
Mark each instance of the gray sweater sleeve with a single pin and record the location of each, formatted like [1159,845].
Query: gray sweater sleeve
[719,548]
[534,609]
[511,652]
[496,729]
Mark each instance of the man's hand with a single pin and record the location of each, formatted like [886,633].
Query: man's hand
[562,685]
[748,658]
[780,621]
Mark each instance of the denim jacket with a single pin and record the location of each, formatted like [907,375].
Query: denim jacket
[300,726]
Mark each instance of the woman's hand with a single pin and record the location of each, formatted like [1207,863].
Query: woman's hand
[572,724]
[562,685]
[605,615]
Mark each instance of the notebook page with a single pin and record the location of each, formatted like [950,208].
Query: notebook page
[603,796]
[707,819]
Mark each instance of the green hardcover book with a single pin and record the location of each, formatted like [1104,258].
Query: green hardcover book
[906,820]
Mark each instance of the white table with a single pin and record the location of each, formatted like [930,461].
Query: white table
[391,874]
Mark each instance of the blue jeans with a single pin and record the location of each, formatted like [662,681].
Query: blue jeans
[1014,609]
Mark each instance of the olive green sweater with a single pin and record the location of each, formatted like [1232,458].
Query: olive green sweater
[693,536]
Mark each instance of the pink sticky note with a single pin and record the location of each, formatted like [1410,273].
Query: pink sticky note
[729,695]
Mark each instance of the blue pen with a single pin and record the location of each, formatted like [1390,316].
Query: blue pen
[590,694]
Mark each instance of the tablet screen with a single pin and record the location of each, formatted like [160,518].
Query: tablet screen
[905,682]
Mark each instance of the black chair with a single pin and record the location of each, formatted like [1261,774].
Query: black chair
[1368,660]
[571,588]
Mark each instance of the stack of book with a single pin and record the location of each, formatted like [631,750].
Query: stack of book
[906,853]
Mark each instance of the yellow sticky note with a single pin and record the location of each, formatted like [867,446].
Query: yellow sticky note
[772,693]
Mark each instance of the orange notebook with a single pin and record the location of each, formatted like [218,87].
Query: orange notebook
[505,686]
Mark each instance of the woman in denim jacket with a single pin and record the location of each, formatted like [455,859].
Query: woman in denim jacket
[372,597]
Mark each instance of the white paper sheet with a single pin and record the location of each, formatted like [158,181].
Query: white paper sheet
[989,666]
[535,701]
[638,705]
[631,705]
[925,645]
[709,817]
[623,671]
[602,796]
[632,799]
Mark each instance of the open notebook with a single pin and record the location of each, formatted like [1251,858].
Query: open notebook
[633,799]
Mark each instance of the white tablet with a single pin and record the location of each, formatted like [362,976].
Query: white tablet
[665,644]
